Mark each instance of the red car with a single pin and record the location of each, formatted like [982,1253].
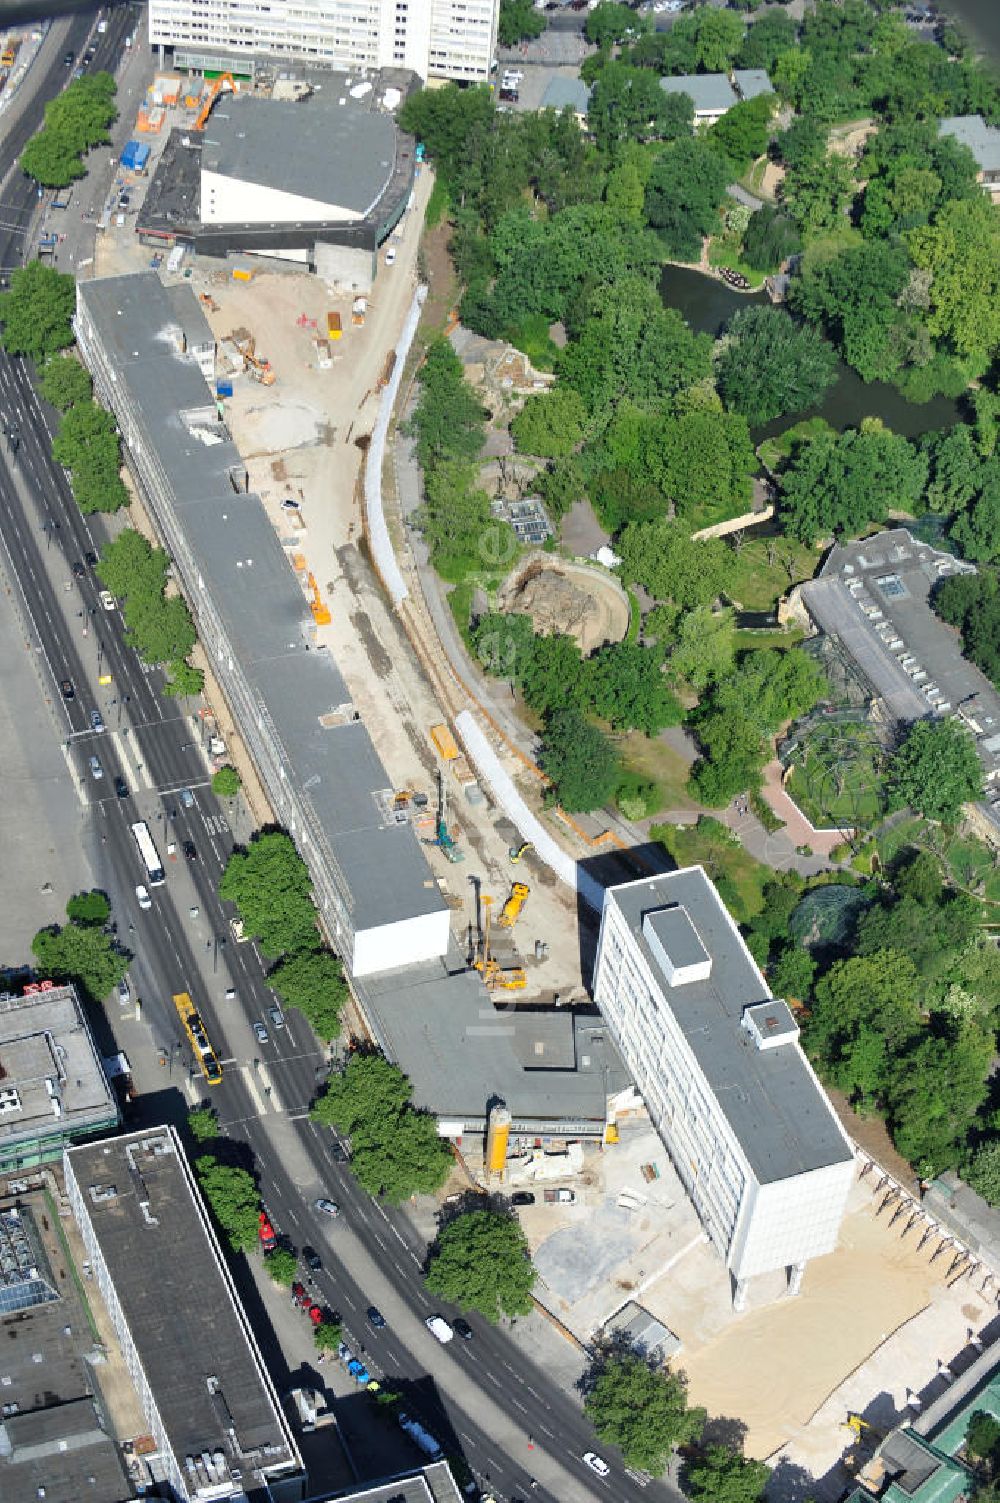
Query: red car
[265,1231]
[299,1296]
[316,1315]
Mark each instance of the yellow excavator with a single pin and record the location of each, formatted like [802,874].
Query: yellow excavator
[512,908]
[512,979]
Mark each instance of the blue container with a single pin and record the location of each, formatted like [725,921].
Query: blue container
[223,388]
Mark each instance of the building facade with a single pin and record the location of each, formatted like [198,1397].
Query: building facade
[433,38]
[716,1058]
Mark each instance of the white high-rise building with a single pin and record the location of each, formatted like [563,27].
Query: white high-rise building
[716,1058]
[433,38]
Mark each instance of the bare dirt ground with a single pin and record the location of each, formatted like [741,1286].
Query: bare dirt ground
[585,604]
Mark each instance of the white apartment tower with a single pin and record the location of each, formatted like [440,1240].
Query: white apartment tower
[716,1058]
[434,38]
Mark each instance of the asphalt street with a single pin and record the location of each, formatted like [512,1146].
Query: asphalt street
[509,1420]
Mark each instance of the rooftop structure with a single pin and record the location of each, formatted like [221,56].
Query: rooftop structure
[436,39]
[567,93]
[982,140]
[712,93]
[210,1406]
[432,1484]
[717,1060]
[641,1331]
[53,1443]
[149,348]
[750,82]
[874,598]
[53,1089]
[555,1071]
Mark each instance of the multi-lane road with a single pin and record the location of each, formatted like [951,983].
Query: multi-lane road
[512,1423]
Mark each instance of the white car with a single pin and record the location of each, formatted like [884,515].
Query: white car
[142,897]
[327,1207]
[390,255]
[439,1328]
[596,1463]
[107,600]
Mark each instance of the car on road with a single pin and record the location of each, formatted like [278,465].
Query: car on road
[189,850]
[124,991]
[69,59]
[79,572]
[339,1153]
[299,1296]
[96,720]
[95,767]
[462,1328]
[327,1207]
[316,1314]
[359,1372]
[107,600]
[312,1259]
[121,787]
[439,1328]
[390,255]
[375,1317]
[522,1198]
[90,558]
[187,798]
[66,685]
[260,1033]
[596,1463]
[277,1017]
[142,897]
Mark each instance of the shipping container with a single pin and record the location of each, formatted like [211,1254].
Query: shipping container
[444,742]
[242,274]
[223,388]
[334,328]
[135,156]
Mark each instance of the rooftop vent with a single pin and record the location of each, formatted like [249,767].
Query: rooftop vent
[677,946]
[770,1024]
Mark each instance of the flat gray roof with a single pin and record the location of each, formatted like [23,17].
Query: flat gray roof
[252,586]
[982,140]
[206,1376]
[433,1484]
[461,1051]
[751,82]
[46,1054]
[778,1112]
[330,148]
[634,1324]
[566,91]
[710,91]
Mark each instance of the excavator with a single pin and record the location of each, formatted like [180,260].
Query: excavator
[318,606]
[512,908]
[511,979]
[254,366]
[213,94]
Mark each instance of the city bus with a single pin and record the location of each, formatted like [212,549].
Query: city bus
[149,854]
[195,1029]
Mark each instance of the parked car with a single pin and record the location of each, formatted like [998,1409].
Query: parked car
[375,1318]
[66,685]
[596,1463]
[522,1198]
[142,897]
[359,1372]
[327,1207]
[124,991]
[96,769]
[312,1259]
[96,720]
[277,1017]
[69,59]
[107,600]
[316,1314]
[390,255]
[462,1328]
[339,1152]
[299,1296]
[260,1033]
[121,787]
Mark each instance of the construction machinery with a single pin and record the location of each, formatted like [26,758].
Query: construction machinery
[443,837]
[512,908]
[213,94]
[254,364]
[496,976]
[515,852]
[318,606]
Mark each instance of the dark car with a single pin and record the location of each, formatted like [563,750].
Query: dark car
[522,1198]
[375,1317]
[91,558]
[78,570]
[339,1153]
[462,1328]
[312,1259]
[96,720]
[66,685]
[121,787]
[69,59]
[189,850]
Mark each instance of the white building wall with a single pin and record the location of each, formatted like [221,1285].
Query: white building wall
[791,1220]
[229,200]
[391,945]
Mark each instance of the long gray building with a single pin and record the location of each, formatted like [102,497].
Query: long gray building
[152,353]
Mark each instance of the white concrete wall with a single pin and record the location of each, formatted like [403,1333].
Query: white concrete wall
[791,1220]
[345,266]
[389,946]
[228,200]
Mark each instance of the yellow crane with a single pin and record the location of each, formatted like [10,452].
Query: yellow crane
[512,908]
[511,979]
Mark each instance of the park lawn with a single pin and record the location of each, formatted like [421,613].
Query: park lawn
[852,796]
[970,862]
[656,761]
[759,584]
[893,839]
[751,638]
[709,844]
[531,336]
[721,254]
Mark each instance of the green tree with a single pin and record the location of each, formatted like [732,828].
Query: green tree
[744,131]
[935,770]
[75,120]
[626,686]
[627,104]
[719,38]
[87,444]
[130,566]
[203,1124]
[183,679]
[642,1410]
[37,311]
[89,908]
[326,1336]
[610,22]
[519,21]
[933,1101]
[977,531]
[664,558]
[446,120]
[792,973]
[226,782]
[162,629]
[720,1474]
[552,425]
[771,687]
[972,603]
[703,461]
[313,981]
[369,1092]
[818,194]
[771,34]
[840,483]
[732,757]
[771,237]
[685,188]
[770,366]
[863,1019]
[705,647]
[481,1262]
[581,762]
[81,953]
[983,1172]
[282,1266]
[64,382]
[269,883]
[233,1198]
[961,250]
[982,1436]
[804,143]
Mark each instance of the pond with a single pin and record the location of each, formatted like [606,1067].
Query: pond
[708,304]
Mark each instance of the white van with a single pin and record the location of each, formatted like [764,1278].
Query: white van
[439,1328]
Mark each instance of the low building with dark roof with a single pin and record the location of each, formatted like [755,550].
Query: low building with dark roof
[711,93]
[214,1417]
[53,1087]
[983,141]
[567,94]
[752,82]
[717,1061]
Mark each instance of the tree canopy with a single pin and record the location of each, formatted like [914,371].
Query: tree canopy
[936,770]
[642,1410]
[76,120]
[839,483]
[685,188]
[85,954]
[769,365]
[580,760]
[269,883]
[664,558]
[232,1195]
[720,1474]
[64,382]
[313,981]
[972,603]
[481,1262]
[37,311]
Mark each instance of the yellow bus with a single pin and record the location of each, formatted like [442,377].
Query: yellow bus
[198,1038]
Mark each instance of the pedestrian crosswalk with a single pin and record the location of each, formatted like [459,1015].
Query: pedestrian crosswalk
[216,824]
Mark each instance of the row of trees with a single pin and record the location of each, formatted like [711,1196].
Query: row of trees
[160,626]
[83,951]
[269,883]
[86,442]
[76,121]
